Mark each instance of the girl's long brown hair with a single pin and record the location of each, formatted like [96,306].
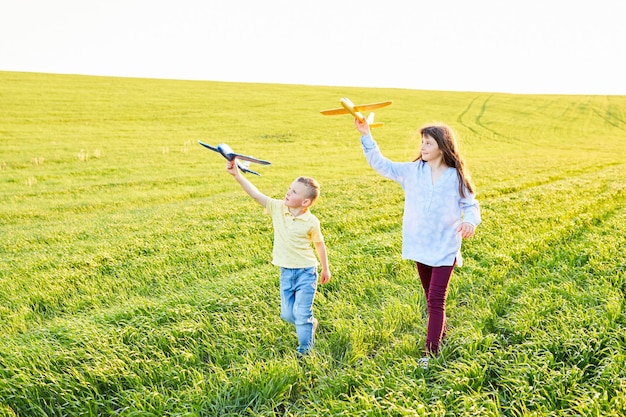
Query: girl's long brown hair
[446,140]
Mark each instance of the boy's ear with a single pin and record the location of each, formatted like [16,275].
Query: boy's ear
[307,202]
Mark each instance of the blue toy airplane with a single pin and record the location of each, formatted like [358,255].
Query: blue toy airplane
[228,153]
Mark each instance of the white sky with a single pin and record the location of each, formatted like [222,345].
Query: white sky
[515,46]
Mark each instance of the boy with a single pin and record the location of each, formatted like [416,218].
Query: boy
[295,227]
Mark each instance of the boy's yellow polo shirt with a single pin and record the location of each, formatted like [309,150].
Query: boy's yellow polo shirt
[293,236]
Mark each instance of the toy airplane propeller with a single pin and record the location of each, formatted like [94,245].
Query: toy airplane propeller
[356,109]
[228,153]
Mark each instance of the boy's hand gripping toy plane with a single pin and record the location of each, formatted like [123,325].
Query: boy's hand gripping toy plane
[228,153]
[355,110]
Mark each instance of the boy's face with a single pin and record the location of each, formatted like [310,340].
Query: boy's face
[297,195]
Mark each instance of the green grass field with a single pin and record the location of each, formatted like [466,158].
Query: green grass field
[135,274]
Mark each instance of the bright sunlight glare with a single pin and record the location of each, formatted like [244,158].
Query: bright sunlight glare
[531,46]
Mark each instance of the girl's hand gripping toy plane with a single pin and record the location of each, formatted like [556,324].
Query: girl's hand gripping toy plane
[228,153]
[355,110]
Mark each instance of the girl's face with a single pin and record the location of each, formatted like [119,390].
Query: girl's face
[430,149]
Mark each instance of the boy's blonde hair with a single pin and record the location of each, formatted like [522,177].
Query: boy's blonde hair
[312,187]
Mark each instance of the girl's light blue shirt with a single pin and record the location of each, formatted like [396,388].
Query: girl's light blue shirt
[432,212]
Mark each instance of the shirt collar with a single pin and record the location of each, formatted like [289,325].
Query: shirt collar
[304,216]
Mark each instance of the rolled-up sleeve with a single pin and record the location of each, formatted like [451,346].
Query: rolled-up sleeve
[471,210]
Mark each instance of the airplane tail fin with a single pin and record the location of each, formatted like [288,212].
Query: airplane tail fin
[244,167]
[371,123]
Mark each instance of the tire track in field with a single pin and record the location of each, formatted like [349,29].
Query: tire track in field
[493,133]
[585,223]
[580,171]
[529,264]
[600,186]
[613,115]
[477,119]
[526,120]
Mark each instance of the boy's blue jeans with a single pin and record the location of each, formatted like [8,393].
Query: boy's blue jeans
[297,291]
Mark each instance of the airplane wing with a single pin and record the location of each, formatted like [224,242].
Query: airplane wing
[251,159]
[209,147]
[355,107]
[228,153]
[333,112]
[370,118]
[372,106]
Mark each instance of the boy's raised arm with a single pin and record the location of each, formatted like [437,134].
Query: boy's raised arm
[248,187]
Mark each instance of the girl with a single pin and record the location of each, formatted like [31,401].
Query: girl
[439,211]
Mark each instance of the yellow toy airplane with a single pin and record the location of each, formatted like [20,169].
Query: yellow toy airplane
[355,110]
